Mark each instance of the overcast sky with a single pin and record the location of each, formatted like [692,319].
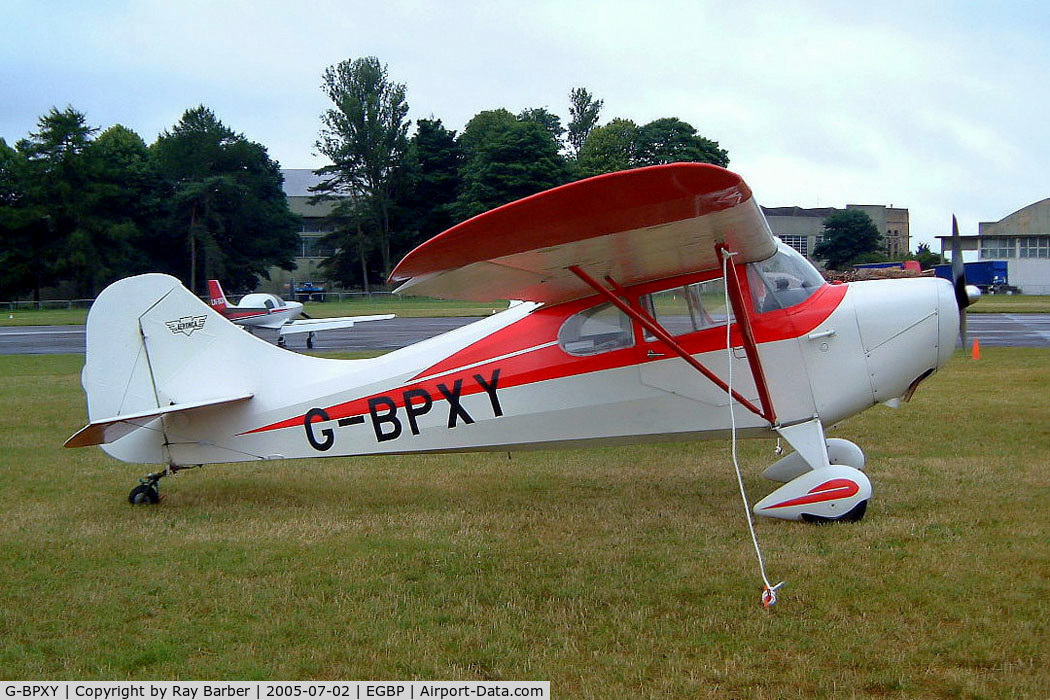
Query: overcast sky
[939,107]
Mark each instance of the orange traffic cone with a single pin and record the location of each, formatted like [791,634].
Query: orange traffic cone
[976,349]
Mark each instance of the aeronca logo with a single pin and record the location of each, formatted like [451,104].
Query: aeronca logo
[186,325]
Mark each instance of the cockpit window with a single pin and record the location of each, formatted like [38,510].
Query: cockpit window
[782,281]
[595,330]
[690,308]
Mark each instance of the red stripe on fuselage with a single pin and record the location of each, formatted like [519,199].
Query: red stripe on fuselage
[241,315]
[544,363]
[543,325]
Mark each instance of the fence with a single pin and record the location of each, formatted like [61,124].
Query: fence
[46,304]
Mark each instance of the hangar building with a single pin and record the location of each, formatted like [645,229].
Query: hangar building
[1022,239]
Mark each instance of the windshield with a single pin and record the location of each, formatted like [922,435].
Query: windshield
[782,281]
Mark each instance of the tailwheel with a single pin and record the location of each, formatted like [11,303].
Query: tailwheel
[146,493]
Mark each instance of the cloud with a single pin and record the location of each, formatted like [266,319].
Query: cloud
[931,106]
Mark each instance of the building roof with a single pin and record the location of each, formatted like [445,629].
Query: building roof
[1032,220]
[819,212]
[297,182]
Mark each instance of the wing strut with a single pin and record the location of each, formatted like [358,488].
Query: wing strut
[742,313]
[667,339]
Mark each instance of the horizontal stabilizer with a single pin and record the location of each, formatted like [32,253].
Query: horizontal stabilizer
[313,325]
[100,432]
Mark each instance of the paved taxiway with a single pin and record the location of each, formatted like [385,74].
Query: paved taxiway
[374,335]
[1014,330]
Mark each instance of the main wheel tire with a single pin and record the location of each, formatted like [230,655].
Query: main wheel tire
[144,494]
[853,516]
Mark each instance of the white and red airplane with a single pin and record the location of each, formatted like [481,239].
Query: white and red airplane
[631,284]
[271,311]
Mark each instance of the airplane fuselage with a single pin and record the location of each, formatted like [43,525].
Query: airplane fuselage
[577,373]
[263,311]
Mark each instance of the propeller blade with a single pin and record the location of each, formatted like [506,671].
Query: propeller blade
[962,296]
[958,268]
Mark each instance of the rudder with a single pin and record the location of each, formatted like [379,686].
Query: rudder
[152,344]
[216,297]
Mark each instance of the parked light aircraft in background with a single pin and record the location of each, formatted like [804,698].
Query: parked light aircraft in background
[631,285]
[271,311]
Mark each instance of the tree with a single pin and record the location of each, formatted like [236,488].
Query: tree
[609,148]
[621,145]
[77,208]
[545,118]
[16,219]
[227,213]
[432,183]
[926,257]
[583,118]
[426,187]
[848,234]
[122,207]
[353,219]
[365,137]
[506,160]
[53,188]
[481,129]
[671,140]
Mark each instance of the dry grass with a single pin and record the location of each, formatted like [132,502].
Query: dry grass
[611,572]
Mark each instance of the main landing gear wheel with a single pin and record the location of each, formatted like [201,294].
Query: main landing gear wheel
[855,515]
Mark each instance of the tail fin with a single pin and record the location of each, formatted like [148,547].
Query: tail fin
[216,297]
[156,356]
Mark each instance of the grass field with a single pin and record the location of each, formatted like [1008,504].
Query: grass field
[611,572]
[1012,304]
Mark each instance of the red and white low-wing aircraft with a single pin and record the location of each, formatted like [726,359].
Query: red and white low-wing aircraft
[271,311]
[630,284]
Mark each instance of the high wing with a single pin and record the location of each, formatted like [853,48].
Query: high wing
[633,226]
[313,325]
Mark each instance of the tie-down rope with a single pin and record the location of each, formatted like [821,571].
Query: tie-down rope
[769,591]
